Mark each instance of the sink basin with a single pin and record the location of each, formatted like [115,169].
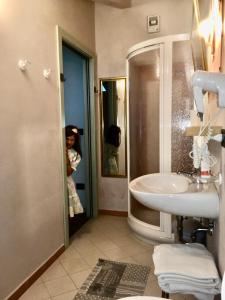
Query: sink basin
[176,194]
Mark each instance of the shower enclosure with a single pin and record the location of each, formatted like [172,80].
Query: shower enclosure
[159,102]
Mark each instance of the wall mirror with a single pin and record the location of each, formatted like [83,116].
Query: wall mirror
[207,34]
[113,126]
[197,41]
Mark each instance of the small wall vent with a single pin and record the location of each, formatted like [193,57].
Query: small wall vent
[153,24]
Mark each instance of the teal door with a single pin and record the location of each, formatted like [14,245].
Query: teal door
[76,74]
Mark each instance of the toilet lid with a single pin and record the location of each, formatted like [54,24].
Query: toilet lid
[141,298]
[222,288]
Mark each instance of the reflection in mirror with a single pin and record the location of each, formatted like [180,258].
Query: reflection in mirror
[207,34]
[113,125]
[197,41]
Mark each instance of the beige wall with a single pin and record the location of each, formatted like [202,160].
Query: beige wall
[218,240]
[221,227]
[221,223]
[116,31]
[31,208]
[119,29]
[216,243]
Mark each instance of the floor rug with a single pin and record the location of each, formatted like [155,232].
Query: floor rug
[113,280]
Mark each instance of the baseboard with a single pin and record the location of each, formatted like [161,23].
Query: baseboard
[28,282]
[113,213]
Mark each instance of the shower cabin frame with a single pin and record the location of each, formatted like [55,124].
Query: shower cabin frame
[145,231]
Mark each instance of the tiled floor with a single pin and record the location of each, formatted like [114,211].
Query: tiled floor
[105,237]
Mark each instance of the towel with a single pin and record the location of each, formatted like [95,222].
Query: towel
[186,269]
[210,282]
[203,296]
[193,261]
[200,294]
[176,286]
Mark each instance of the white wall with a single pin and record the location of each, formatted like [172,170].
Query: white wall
[31,207]
[221,222]
[217,242]
[116,31]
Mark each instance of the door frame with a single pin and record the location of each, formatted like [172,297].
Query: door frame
[63,36]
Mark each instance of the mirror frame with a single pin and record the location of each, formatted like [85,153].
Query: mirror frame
[102,126]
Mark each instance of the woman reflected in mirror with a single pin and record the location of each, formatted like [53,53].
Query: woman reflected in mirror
[112,143]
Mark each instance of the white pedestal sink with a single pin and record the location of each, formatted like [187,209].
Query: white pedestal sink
[176,194]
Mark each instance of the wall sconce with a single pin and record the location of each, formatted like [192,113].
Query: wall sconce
[22,64]
[46,73]
[205,28]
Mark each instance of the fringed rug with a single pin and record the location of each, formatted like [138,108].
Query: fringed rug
[112,279]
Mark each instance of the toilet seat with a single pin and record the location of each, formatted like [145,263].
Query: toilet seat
[142,298]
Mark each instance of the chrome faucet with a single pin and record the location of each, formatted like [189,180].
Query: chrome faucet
[215,178]
[189,174]
[193,176]
[196,178]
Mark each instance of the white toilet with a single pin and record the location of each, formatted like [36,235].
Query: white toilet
[142,298]
[222,288]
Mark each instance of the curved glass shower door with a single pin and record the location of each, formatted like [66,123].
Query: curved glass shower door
[157,78]
[144,115]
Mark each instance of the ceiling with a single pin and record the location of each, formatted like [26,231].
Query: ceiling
[115,3]
[121,3]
